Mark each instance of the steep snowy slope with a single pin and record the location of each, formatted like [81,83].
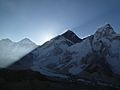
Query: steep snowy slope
[66,54]
[109,46]
[93,51]
[48,56]
[13,51]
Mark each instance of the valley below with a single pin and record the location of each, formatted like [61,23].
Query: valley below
[29,80]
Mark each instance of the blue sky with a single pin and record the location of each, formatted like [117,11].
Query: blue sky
[40,20]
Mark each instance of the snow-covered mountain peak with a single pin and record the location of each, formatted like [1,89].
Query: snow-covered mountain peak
[13,51]
[6,40]
[26,41]
[104,31]
[71,36]
[69,32]
[68,38]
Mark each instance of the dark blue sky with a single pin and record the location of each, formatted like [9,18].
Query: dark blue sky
[41,20]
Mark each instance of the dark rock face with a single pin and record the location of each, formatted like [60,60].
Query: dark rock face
[72,36]
[97,63]
[24,64]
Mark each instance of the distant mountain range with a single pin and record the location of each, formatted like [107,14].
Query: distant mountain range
[67,54]
[11,51]
[96,57]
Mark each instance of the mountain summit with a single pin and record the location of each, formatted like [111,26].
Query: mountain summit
[105,31]
[13,51]
[72,36]
[25,40]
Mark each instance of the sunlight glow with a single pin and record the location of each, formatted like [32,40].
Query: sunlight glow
[47,37]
